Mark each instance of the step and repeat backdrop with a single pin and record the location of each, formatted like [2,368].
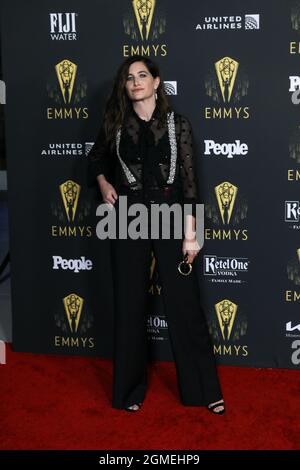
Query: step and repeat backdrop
[233,68]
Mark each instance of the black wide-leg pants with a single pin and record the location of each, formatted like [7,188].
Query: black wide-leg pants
[188,332]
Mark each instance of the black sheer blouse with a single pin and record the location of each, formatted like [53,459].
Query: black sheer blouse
[153,163]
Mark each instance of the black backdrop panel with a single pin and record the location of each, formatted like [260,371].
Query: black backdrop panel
[231,67]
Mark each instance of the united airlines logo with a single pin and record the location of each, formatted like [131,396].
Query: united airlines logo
[229,23]
[252,21]
[170,87]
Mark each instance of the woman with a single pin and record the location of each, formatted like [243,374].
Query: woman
[144,151]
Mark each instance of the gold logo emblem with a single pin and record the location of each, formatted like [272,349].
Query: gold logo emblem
[143,10]
[70,194]
[66,73]
[226,195]
[226,313]
[226,70]
[73,307]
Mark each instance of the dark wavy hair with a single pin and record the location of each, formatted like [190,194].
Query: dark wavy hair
[118,102]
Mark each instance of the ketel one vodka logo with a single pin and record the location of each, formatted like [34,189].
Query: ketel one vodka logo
[73,324]
[63,26]
[223,86]
[293,269]
[67,90]
[223,210]
[69,213]
[144,23]
[229,329]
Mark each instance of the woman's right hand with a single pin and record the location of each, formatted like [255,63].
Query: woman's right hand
[108,192]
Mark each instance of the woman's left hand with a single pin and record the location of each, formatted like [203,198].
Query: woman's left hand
[191,247]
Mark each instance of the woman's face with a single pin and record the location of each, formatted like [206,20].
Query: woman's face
[140,84]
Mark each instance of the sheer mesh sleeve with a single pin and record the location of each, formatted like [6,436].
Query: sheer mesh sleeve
[100,159]
[188,170]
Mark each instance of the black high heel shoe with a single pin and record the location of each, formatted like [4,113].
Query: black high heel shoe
[128,408]
[213,408]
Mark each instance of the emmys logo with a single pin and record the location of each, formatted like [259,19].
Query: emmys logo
[143,11]
[2,353]
[227,150]
[63,26]
[73,307]
[295,24]
[68,211]
[226,70]
[227,327]
[295,16]
[226,313]
[66,73]
[222,85]
[222,209]
[170,88]
[73,324]
[70,195]
[226,195]
[144,22]
[293,269]
[68,90]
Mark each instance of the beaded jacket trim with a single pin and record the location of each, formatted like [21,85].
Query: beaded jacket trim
[173,145]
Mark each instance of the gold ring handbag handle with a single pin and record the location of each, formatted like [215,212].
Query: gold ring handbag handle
[184,267]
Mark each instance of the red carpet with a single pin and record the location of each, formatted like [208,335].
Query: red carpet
[59,402]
